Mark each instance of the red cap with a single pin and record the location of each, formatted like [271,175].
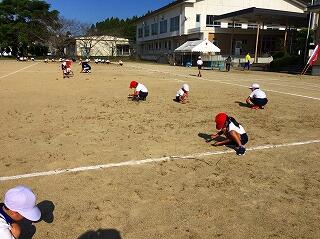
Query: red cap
[221,119]
[133,84]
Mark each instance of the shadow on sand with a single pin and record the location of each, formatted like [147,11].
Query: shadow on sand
[101,234]
[242,104]
[28,229]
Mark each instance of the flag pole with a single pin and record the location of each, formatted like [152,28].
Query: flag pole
[304,68]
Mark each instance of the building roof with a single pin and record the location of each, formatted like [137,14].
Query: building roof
[102,38]
[203,46]
[314,8]
[266,16]
[176,2]
[300,3]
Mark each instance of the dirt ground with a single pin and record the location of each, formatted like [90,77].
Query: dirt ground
[49,123]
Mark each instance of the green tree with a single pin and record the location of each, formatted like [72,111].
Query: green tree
[24,23]
[117,27]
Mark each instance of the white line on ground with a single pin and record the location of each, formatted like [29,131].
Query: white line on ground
[227,83]
[151,160]
[1,77]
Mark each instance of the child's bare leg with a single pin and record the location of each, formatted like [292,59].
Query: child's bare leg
[235,137]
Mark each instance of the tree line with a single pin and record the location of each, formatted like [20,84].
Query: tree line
[29,27]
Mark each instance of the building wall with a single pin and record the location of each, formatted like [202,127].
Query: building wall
[193,30]
[167,15]
[102,46]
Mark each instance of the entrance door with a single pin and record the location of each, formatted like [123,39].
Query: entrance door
[238,48]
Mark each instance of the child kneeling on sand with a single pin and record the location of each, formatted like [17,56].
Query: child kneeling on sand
[66,68]
[140,91]
[86,68]
[258,98]
[183,94]
[234,132]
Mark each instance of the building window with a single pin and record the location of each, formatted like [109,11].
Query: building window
[198,17]
[169,45]
[252,26]
[174,24]
[163,26]
[154,29]
[217,24]
[147,31]
[235,25]
[210,20]
[140,32]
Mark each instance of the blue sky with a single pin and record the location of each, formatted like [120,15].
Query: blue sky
[91,11]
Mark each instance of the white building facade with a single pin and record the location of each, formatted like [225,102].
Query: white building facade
[162,31]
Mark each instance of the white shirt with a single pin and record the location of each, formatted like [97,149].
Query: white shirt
[199,62]
[239,130]
[5,229]
[180,92]
[141,87]
[259,94]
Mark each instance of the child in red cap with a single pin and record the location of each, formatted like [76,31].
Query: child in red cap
[140,91]
[234,132]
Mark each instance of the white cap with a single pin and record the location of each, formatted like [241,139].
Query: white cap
[22,200]
[185,87]
[254,86]
[199,57]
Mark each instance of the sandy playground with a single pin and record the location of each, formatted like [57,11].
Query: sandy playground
[158,178]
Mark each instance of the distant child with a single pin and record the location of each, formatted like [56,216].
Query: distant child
[258,98]
[86,68]
[183,94]
[199,64]
[140,91]
[247,60]
[228,63]
[121,63]
[234,132]
[19,203]
[66,68]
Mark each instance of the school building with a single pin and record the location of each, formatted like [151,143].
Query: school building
[102,46]
[258,27]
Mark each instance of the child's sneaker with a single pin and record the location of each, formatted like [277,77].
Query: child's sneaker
[254,107]
[240,151]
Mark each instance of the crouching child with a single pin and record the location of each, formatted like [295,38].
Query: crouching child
[232,130]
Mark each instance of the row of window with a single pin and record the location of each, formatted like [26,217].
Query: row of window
[162,45]
[174,26]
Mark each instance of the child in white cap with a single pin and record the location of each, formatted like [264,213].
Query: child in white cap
[66,68]
[199,64]
[258,98]
[183,94]
[19,203]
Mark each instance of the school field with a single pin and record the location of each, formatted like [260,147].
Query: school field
[111,168]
